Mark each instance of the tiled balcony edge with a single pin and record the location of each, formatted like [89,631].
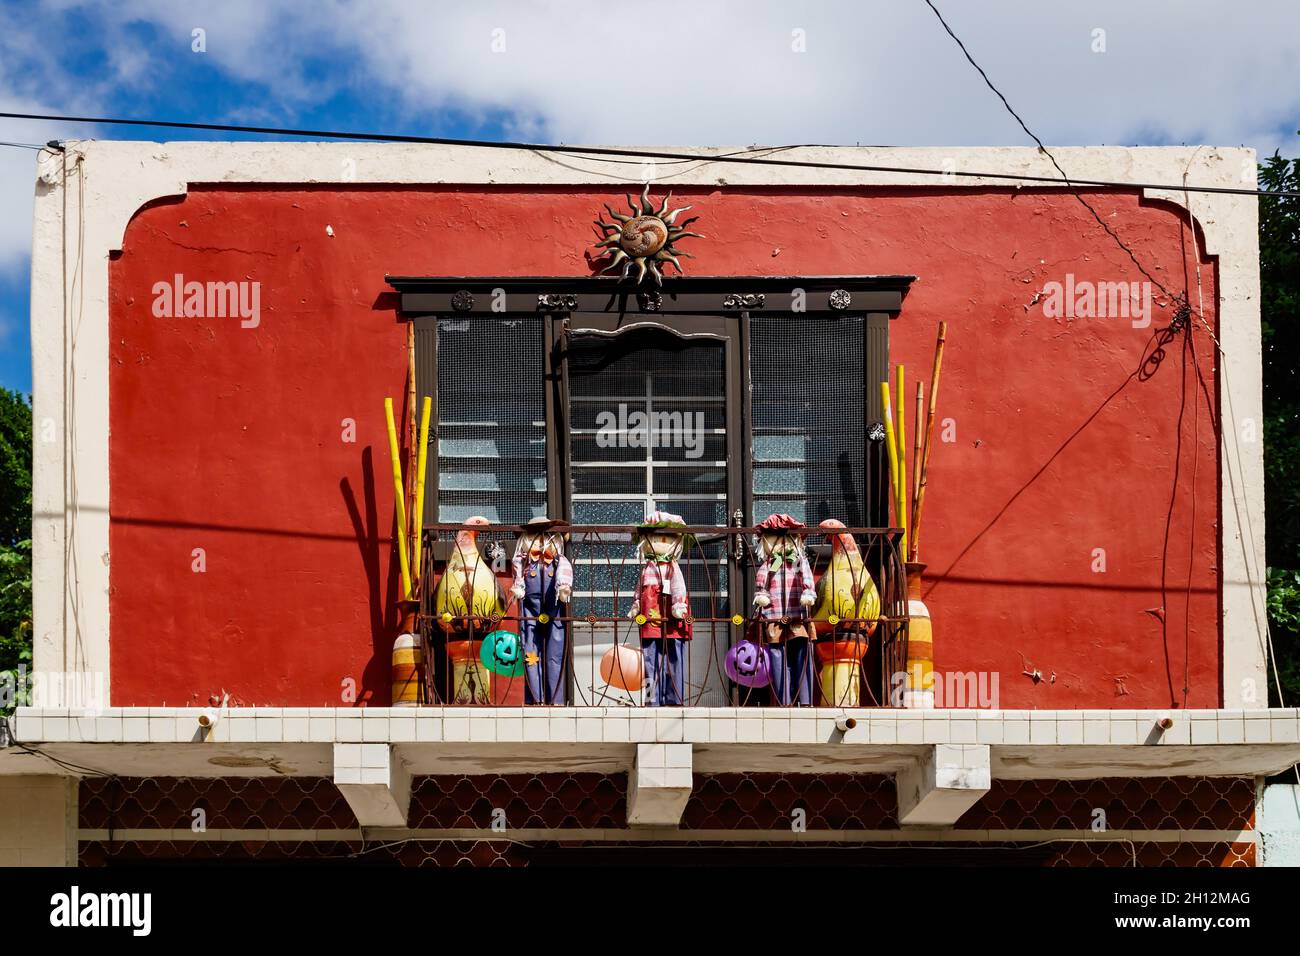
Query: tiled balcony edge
[622,725]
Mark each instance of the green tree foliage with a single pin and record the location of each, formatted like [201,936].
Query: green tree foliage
[15,535]
[1279,270]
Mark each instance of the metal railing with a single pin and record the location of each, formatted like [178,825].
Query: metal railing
[483,646]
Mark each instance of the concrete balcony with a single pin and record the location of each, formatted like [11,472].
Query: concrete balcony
[943,760]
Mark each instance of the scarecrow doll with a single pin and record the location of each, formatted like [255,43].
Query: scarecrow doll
[543,580]
[783,593]
[662,609]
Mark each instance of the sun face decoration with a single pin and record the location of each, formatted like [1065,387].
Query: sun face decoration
[644,239]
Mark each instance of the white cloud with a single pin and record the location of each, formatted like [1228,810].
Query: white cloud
[677,72]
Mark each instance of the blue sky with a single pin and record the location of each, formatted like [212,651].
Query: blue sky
[689,73]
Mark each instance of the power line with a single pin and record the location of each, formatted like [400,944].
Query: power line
[1048,153]
[639,153]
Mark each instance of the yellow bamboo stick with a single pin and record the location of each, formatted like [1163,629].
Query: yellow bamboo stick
[399,495]
[900,437]
[418,518]
[929,437]
[891,447]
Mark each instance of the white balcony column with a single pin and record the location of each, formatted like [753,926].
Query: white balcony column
[943,784]
[659,785]
[375,782]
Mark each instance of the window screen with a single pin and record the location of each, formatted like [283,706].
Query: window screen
[808,395]
[648,428]
[491,420]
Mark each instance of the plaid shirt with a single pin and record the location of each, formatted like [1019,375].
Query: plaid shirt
[784,581]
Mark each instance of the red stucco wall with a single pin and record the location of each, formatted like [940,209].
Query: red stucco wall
[230,439]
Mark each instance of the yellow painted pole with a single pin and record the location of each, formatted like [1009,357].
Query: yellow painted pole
[890,446]
[418,518]
[399,494]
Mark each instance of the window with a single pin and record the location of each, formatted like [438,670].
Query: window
[491,437]
[808,394]
[648,428]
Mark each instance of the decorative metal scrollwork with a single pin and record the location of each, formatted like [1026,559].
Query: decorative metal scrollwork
[462,301]
[735,300]
[841,299]
[557,302]
[650,301]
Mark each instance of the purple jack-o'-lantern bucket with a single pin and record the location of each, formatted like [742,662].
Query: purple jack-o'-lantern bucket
[746,664]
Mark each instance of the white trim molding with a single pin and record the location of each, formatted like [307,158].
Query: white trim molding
[87,195]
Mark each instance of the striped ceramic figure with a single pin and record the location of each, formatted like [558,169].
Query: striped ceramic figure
[918,693]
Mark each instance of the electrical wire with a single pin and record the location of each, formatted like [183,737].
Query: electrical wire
[636,153]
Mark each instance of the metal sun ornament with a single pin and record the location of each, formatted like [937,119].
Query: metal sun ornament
[645,239]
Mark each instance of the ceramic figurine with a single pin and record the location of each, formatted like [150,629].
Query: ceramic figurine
[845,615]
[783,594]
[543,581]
[467,605]
[663,609]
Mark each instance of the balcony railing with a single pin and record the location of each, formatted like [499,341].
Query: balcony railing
[483,646]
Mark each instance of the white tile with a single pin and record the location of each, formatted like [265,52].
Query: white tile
[510,728]
[535,731]
[1069,731]
[722,730]
[1124,731]
[482,729]
[1096,731]
[1179,733]
[678,755]
[1042,730]
[347,775]
[669,727]
[911,731]
[679,777]
[319,729]
[563,729]
[400,729]
[749,730]
[374,728]
[1015,731]
[428,728]
[776,729]
[348,727]
[962,729]
[457,728]
[1259,729]
[696,728]
[803,731]
[270,728]
[936,731]
[242,729]
[1205,731]
[589,730]
[1283,730]
[58,728]
[295,712]
[988,731]
[641,727]
[375,755]
[347,755]
[108,728]
[1232,730]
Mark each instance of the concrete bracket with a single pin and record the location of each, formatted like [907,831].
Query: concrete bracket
[943,784]
[659,785]
[375,782]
